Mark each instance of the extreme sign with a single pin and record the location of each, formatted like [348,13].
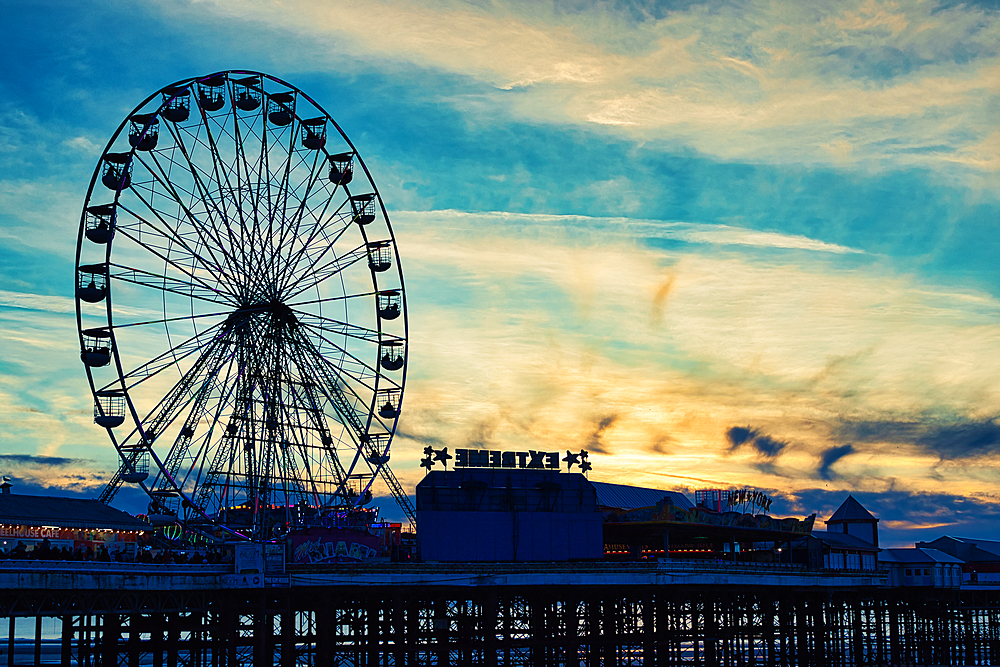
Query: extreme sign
[484,458]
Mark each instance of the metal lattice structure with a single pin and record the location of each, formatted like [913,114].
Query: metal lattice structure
[524,626]
[241,308]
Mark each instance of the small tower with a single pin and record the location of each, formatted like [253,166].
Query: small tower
[853,519]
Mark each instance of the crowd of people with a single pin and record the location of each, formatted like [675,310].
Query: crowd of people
[167,557]
[44,550]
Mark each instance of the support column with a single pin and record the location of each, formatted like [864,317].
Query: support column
[134,638]
[288,632]
[711,630]
[649,652]
[325,638]
[110,633]
[12,627]
[67,639]
[38,640]
[260,632]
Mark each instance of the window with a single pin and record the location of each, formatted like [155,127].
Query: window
[927,572]
[909,572]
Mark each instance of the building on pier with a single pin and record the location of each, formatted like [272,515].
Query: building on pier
[917,566]
[981,558]
[850,541]
[488,514]
[74,523]
[491,513]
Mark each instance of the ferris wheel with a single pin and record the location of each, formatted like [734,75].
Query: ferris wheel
[240,306]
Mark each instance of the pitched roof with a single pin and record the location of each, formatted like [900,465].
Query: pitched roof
[625,497]
[844,541]
[65,513]
[991,546]
[851,510]
[917,555]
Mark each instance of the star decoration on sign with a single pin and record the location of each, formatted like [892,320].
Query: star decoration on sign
[442,455]
[432,455]
[571,459]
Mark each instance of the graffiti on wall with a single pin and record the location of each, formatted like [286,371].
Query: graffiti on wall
[317,545]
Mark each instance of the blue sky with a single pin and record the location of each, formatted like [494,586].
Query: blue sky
[721,243]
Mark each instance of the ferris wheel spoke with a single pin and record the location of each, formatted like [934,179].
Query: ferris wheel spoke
[169,242]
[199,291]
[164,360]
[329,382]
[318,261]
[196,281]
[291,231]
[195,469]
[253,193]
[266,175]
[290,192]
[337,327]
[171,189]
[363,366]
[280,207]
[182,443]
[166,320]
[316,245]
[331,299]
[222,173]
[217,234]
[172,405]
[199,176]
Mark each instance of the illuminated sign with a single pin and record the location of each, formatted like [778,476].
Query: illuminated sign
[482,458]
[486,458]
[29,531]
[747,498]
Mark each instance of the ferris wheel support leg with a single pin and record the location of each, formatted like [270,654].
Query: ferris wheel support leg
[403,500]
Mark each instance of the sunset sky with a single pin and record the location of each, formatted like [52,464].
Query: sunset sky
[716,244]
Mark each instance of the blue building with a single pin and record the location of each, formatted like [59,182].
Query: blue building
[490,515]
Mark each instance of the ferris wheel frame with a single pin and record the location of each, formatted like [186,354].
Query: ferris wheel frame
[260,311]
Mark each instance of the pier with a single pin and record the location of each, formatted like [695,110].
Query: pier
[665,613]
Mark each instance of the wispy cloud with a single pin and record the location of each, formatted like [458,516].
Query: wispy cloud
[862,81]
[51,304]
[687,232]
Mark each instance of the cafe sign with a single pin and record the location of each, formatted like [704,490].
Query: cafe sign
[30,532]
